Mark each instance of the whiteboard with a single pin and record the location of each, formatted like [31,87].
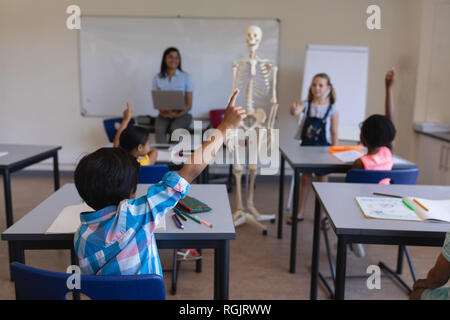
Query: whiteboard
[347,67]
[119,56]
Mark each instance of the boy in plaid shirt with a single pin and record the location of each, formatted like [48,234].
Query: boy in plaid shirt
[118,238]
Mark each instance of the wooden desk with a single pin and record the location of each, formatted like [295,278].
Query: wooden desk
[350,226]
[309,160]
[29,232]
[19,157]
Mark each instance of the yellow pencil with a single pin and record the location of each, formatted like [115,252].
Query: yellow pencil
[420,205]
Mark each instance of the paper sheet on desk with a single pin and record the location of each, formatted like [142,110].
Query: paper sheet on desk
[68,220]
[348,156]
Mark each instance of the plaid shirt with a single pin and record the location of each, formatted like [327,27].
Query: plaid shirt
[119,240]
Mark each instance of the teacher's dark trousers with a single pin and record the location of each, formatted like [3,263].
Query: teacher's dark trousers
[164,127]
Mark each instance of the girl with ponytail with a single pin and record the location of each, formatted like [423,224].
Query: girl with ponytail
[318,126]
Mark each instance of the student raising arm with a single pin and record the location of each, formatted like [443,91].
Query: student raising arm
[118,237]
[378,134]
[135,140]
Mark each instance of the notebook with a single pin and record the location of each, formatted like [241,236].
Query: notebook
[347,153]
[348,156]
[396,209]
[68,221]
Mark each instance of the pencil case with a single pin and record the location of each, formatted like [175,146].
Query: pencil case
[192,205]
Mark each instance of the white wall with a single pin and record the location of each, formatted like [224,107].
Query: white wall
[39,76]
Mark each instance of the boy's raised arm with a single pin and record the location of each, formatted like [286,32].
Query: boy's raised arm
[203,155]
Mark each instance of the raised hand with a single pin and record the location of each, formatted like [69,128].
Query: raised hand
[296,108]
[390,78]
[233,114]
[128,113]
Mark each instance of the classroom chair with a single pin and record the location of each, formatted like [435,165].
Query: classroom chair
[37,284]
[111,126]
[400,176]
[154,174]
[215,118]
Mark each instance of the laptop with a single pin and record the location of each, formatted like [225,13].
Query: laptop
[169,100]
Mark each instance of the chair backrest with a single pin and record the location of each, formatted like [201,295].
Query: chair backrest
[152,174]
[37,284]
[216,117]
[401,176]
[110,127]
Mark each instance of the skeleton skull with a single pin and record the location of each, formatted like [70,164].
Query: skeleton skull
[254,36]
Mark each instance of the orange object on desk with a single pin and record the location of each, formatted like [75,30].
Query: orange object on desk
[336,149]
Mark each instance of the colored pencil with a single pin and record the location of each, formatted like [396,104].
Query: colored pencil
[179,221]
[420,205]
[204,222]
[406,204]
[187,215]
[387,195]
[174,218]
[180,216]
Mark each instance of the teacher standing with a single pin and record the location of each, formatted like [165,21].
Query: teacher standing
[172,77]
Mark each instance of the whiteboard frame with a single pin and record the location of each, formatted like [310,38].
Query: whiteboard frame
[84,112]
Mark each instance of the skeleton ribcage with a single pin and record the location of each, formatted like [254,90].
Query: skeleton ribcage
[259,95]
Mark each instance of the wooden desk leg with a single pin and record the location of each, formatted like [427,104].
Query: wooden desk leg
[56,170]
[216,274]
[74,262]
[281,199]
[221,271]
[17,253]
[73,257]
[315,253]
[176,264]
[8,210]
[8,198]
[294,222]
[198,263]
[400,259]
[341,261]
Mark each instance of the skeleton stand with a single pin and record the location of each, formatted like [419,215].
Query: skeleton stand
[240,216]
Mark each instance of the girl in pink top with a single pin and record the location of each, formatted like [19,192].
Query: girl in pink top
[382,160]
[377,134]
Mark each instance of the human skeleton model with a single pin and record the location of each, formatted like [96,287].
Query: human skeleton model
[258,79]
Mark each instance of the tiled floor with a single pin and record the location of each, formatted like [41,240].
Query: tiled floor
[258,265]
